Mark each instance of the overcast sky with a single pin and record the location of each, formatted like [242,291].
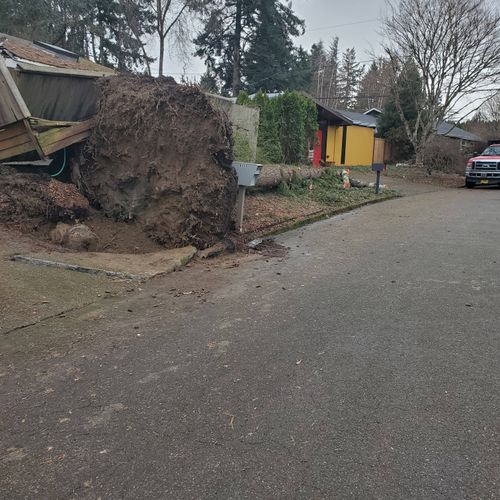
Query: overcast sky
[355,22]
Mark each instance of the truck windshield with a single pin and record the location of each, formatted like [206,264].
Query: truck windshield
[492,151]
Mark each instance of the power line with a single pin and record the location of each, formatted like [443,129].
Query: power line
[342,25]
[359,96]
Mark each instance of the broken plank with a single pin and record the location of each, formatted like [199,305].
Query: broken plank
[12,101]
[12,130]
[34,139]
[17,150]
[66,142]
[14,141]
[50,137]
[41,122]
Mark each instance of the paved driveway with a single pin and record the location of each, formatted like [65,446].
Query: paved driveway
[364,365]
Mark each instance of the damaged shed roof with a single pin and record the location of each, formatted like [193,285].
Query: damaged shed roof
[41,55]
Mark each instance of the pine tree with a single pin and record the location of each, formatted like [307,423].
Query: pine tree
[326,72]
[350,74]
[333,83]
[271,57]
[390,124]
[226,30]
[374,86]
[247,42]
[108,32]
[318,63]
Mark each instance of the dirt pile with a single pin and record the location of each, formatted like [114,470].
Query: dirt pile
[160,154]
[29,200]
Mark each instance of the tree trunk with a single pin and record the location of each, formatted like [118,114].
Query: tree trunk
[237,51]
[162,55]
[272,176]
[419,156]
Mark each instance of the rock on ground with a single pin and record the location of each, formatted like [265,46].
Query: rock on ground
[80,237]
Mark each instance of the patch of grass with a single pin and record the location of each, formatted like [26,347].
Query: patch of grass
[329,190]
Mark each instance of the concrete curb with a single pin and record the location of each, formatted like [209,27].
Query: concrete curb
[289,226]
[172,266]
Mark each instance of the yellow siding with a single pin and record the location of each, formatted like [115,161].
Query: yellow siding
[360,143]
[330,144]
[338,146]
[334,145]
[359,146]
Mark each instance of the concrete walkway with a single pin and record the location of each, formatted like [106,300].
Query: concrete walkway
[41,284]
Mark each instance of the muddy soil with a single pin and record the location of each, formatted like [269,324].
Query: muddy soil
[30,201]
[160,155]
[119,236]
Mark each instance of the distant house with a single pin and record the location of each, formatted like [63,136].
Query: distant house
[347,138]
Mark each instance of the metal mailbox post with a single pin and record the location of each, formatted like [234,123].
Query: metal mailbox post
[247,176]
[378,167]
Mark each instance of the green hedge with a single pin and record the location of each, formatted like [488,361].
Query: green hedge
[287,126]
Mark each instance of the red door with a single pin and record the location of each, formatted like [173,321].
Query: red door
[318,148]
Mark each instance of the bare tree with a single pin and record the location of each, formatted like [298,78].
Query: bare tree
[491,108]
[455,44]
[170,18]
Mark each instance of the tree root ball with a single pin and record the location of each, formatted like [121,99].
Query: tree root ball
[160,154]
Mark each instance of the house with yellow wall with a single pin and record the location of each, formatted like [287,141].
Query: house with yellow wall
[346,138]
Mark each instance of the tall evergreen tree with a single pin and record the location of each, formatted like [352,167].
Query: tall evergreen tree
[390,124]
[271,58]
[318,63]
[333,73]
[374,86]
[350,74]
[227,27]
[326,83]
[248,41]
[107,31]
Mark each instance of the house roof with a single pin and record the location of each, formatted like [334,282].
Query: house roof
[359,119]
[449,130]
[45,55]
[370,120]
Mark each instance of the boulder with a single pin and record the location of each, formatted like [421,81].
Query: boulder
[59,232]
[80,237]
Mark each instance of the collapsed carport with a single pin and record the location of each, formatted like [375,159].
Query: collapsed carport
[47,98]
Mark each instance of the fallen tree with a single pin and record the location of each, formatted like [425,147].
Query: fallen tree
[272,176]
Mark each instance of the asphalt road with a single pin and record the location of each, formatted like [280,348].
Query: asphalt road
[363,365]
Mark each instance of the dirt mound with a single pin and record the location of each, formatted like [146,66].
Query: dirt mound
[29,200]
[160,154]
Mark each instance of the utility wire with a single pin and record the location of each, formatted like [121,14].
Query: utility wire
[342,25]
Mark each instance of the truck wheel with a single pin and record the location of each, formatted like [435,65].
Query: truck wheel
[469,184]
